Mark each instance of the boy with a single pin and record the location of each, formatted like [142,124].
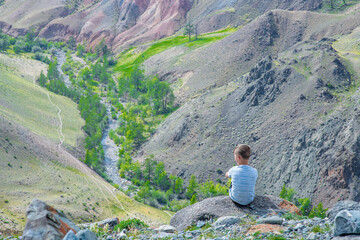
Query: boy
[243,177]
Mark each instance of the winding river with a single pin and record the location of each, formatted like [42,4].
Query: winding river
[111,150]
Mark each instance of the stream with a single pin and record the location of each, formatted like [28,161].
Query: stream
[61,58]
[111,150]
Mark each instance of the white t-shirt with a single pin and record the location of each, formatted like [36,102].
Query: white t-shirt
[243,180]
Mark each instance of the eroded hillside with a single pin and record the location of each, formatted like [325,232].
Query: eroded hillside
[286,84]
[124,23]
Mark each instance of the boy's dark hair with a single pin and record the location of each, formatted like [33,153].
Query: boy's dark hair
[243,150]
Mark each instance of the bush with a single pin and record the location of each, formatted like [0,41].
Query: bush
[318,211]
[130,224]
[304,206]
[36,49]
[287,193]
[177,205]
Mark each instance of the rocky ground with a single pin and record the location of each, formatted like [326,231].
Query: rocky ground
[201,221]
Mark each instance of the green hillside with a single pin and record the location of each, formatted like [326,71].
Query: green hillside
[32,165]
[27,104]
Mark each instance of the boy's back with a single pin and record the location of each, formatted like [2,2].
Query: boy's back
[243,179]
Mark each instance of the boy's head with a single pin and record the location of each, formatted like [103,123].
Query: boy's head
[242,151]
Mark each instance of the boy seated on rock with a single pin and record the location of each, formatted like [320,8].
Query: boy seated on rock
[243,177]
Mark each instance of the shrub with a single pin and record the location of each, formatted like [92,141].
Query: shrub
[318,211]
[177,205]
[287,193]
[36,49]
[304,206]
[130,224]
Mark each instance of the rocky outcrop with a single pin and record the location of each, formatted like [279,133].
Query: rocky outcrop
[343,205]
[217,207]
[133,21]
[45,222]
[347,223]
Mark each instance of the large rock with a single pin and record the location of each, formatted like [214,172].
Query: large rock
[70,236]
[343,205]
[347,223]
[86,235]
[227,221]
[217,207]
[45,222]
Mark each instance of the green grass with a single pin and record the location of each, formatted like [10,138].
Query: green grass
[25,103]
[66,188]
[133,57]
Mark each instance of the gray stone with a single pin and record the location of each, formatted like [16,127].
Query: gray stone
[200,224]
[343,205]
[196,232]
[291,222]
[347,223]
[272,220]
[219,227]
[45,222]
[86,235]
[299,226]
[70,236]
[188,235]
[223,206]
[227,221]
[166,228]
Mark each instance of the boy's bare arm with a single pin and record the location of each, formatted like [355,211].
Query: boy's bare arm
[227,174]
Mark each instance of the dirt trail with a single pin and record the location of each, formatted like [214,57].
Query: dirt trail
[59,129]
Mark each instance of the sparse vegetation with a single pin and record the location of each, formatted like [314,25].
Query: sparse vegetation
[130,224]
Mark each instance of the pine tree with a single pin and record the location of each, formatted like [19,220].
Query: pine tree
[189,29]
[191,190]
[193,199]
[42,79]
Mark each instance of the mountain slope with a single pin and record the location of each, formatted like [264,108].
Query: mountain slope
[131,21]
[278,85]
[34,164]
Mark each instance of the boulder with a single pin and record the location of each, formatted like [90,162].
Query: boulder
[347,223]
[343,205]
[45,222]
[86,235]
[227,221]
[70,236]
[272,220]
[217,207]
